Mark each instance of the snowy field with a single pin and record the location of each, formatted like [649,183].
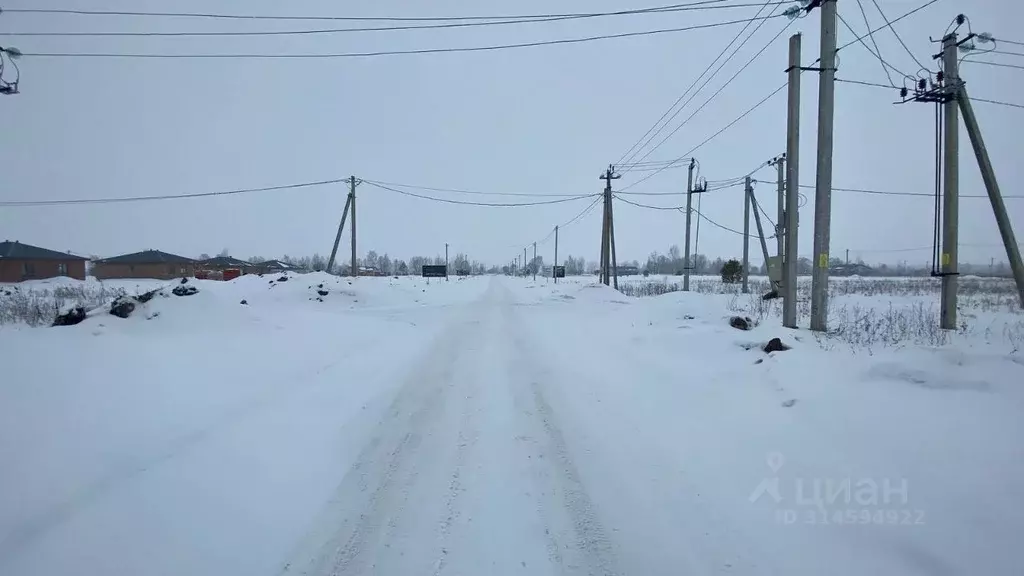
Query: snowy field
[498,425]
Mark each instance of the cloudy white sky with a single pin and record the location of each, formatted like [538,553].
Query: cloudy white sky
[539,120]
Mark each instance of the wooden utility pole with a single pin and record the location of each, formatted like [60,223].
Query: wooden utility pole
[608,231]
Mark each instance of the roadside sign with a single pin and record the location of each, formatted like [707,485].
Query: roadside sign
[435,271]
[559,271]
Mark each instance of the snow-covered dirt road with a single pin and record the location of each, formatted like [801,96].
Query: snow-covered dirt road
[495,426]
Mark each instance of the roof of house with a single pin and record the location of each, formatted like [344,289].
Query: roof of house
[277,264]
[227,261]
[18,251]
[147,257]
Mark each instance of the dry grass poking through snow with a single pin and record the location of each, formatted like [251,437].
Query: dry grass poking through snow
[37,304]
[871,313]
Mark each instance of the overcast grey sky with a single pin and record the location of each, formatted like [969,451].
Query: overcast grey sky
[542,120]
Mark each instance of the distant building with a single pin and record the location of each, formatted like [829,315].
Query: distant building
[222,263]
[851,270]
[145,264]
[20,262]
[273,267]
[627,270]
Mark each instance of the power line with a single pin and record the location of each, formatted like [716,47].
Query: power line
[474,192]
[713,223]
[885,65]
[1014,42]
[891,193]
[14,204]
[870,35]
[713,136]
[639,205]
[475,22]
[997,64]
[1011,104]
[493,47]
[222,16]
[707,80]
[863,83]
[466,203]
[897,35]
[859,38]
[1005,52]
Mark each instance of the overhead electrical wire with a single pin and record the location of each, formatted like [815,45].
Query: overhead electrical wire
[1004,52]
[713,136]
[871,35]
[900,39]
[222,16]
[997,64]
[973,98]
[488,48]
[467,203]
[893,193]
[639,205]
[27,203]
[713,223]
[473,192]
[654,130]
[449,23]
[999,102]
[886,66]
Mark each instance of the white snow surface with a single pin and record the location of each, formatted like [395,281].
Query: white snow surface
[494,426]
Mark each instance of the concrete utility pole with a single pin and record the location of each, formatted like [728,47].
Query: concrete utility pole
[757,221]
[746,235]
[951,184]
[445,261]
[994,195]
[689,210]
[789,269]
[847,256]
[608,234]
[823,183]
[525,269]
[780,227]
[611,235]
[555,265]
[337,239]
[534,262]
[352,197]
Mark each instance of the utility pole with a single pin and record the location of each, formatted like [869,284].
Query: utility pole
[951,184]
[555,265]
[992,187]
[686,244]
[611,235]
[757,220]
[780,237]
[337,239]
[792,186]
[607,233]
[534,262]
[525,269]
[823,183]
[352,196]
[847,256]
[445,261]
[746,235]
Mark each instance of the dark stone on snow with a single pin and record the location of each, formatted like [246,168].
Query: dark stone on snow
[282,279]
[688,317]
[741,323]
[244,302]
[320,285]
[69,318]
[322,292]
[789,403]
[184,290]
[771,295]
[775,345]
[759,360]
[122,307]
[184,280]
[147,296]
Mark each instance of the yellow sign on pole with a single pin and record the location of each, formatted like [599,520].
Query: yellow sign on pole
[823,260]
[945,259]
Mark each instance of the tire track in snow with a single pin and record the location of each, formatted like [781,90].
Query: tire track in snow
[587,547]
[379,507]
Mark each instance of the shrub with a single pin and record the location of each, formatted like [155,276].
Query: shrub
[732,272]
